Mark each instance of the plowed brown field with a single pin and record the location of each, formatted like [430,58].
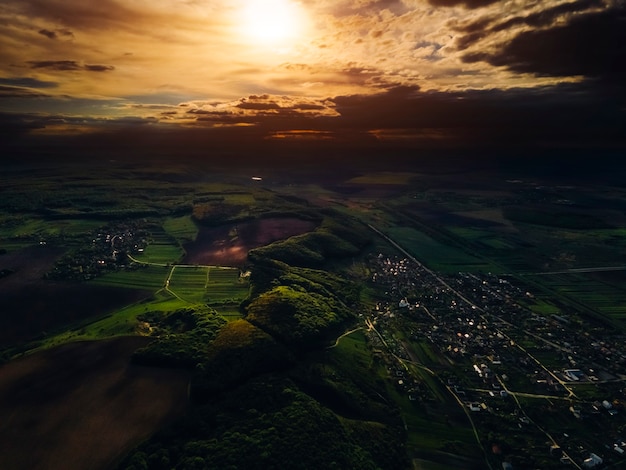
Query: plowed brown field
[83,405]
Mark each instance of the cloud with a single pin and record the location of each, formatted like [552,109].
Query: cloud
[590,45]
[403,121]
[557,115]
[489,24]
[98,68]
[27,82]
[19,92]
[59,33]
[265,111]
[48,34]
[363,7]
[68,65]
[466,3]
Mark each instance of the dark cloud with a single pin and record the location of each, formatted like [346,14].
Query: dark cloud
[591,45]
[75,14]
[27,82]
[562,115]
[61,65]
[12,126]
[466,3]
[47,33]
[539,18]
[68,65]
[483,27]
[549,15]
[403,119]
[19,92]
[260,103]
[98,68]
[57,34]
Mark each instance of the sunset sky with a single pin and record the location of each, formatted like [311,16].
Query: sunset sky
[411,72]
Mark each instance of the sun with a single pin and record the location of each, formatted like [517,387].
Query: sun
[273,22]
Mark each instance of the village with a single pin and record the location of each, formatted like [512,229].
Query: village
[107,250]
[561,379]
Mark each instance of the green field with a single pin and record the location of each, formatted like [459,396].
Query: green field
[162,249]
[436,255]
[148,277]
[181,228]
[188,286]
[213,285]
[27,227]
[225,287]
[189,283]
[604,293]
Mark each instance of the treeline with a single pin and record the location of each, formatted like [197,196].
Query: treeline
[214,210]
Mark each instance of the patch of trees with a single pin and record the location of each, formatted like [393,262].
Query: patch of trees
[184,337]
[214,213]
[268,424]
[331,241]
[334,387]
[324,283]
[239,351]
[297,317]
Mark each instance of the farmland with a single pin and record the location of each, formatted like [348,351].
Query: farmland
[252,285]
[77,389]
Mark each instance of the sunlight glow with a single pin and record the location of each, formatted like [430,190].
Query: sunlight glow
[273,22]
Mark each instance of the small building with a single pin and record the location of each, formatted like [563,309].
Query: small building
[592,461]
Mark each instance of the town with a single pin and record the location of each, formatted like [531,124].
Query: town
[558,381]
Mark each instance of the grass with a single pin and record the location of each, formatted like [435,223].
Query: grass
[120,323]
[147,277]
[182,228]
[214,285]
[48,228]
[189,283]
[163,249]
[427,430]
[188,286]
[602,293]
[436,255]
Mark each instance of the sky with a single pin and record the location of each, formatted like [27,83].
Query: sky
[194,75]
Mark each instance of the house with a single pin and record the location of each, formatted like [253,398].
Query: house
[592,461]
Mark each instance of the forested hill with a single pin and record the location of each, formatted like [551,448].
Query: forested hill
[266,394]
